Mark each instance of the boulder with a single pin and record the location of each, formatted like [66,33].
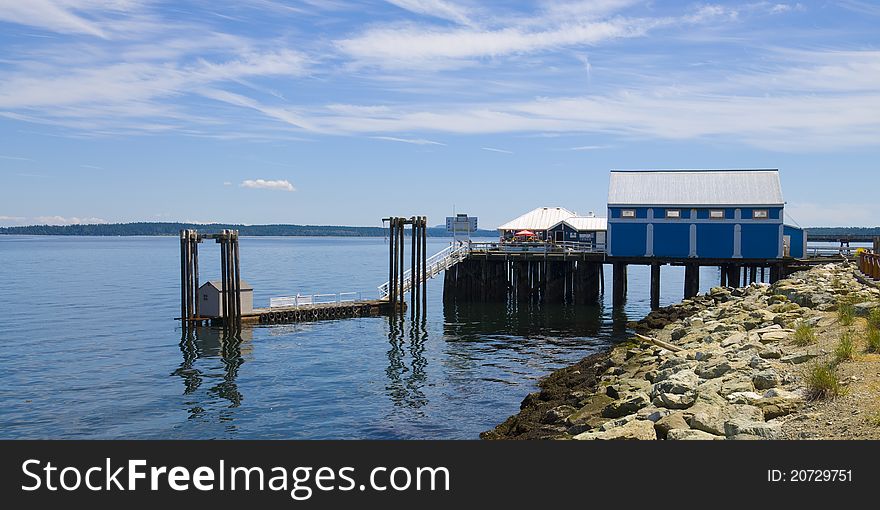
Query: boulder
[675,421]
[557,415]
[714,370]
[691,435]
[773,337]
[761,429]
[766,380]
[865,309]
[636,430]
[672,401]
[591,410]
[714,419]
[628,405]
[799,358]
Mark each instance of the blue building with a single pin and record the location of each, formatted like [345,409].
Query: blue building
[698,214]
[795,242]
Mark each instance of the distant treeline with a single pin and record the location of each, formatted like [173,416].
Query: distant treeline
[844,231]
[173,229]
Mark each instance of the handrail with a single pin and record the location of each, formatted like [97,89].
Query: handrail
[316,299]
[869,264]
[436,264]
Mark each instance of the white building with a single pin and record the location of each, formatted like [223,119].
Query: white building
[211,304]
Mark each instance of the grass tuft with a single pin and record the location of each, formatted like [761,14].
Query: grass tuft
[822,381]
[804,335]
[845,348]
[846,312]
[874,318]
[872,336]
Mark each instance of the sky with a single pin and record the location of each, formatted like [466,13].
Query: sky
[348,111]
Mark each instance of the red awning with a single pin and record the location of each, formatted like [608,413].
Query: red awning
[525,233]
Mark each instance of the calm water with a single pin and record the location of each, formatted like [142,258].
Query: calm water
[91,350]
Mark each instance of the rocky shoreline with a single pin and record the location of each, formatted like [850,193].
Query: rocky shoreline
[722,366]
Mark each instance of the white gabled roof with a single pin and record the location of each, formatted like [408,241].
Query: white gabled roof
[696,188]
[542,218]
[588,223]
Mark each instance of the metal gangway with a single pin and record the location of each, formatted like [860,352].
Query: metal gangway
[436,264]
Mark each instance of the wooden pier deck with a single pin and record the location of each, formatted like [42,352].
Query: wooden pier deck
[308,313]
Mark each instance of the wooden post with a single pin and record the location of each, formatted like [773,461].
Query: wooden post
[424,265]
[413,292]
[655,286]
[877,245]
[237,277]
[196,241]
[691,280]
[183,278]
[619,293]
[391,262]
[402,234]
[224,283]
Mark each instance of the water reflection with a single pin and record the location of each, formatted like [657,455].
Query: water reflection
[466,321]
[211,343]
[406,380]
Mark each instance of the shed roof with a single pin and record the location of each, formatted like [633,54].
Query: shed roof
[219,285]
[542,218]
[696,187]
[588,223]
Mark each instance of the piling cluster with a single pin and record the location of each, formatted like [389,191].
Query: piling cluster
[398,280]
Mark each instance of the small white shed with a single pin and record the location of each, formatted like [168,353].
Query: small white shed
[210,299]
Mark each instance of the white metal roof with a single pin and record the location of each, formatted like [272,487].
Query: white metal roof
[542,218]
[219,285]
[545,218]
[696,187]
[588,223]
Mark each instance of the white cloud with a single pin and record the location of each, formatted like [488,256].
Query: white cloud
[15,158]
[492,149]
[12,220]
[62,220]
[413,141]
[418,45]
[436,8]
[278,185]
[588,148]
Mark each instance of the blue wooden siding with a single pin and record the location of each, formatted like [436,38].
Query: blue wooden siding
[715,240]
[760,239]
[671,240]
[627,239]
[798,236]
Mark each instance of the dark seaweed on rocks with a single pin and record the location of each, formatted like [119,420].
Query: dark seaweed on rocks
[563,389]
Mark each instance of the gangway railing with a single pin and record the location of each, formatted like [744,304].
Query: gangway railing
[435,265]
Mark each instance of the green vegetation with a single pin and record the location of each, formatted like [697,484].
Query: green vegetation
[874,318]
[173,229]
[846,312]
[804,335]
[822,381]
[845,348]
[872,337]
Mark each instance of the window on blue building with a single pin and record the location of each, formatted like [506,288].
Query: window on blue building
[673,214]
[628,213]
[716,214]
[761,214]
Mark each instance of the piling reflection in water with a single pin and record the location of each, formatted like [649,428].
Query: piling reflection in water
[204,343]
[464,321]
[405,381]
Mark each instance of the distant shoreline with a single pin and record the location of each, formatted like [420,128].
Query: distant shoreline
[141,229]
